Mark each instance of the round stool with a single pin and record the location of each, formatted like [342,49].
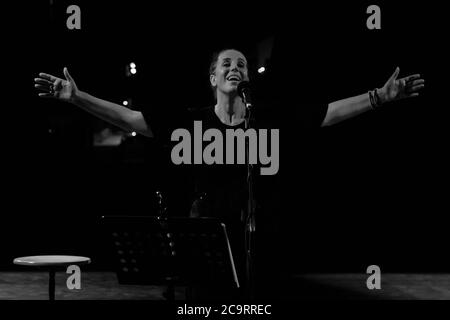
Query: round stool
[51,263]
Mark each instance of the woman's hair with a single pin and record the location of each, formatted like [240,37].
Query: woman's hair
[214,60]
[213,65]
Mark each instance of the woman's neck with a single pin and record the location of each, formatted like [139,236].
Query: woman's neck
[230,110]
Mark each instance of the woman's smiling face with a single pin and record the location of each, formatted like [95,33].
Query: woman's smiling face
[230,70]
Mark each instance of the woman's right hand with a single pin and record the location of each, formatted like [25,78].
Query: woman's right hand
[54,87]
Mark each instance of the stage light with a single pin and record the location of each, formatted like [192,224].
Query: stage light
[131,69]
[261,70]
[133,134]
[125,102]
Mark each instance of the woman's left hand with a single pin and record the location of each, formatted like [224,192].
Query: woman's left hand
[396,89]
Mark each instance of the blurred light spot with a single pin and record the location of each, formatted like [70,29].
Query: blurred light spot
[133,134]
[133,71]
[261,70]
[133,65]
[125,102]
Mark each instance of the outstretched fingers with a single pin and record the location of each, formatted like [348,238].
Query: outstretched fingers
[46,83]
[67,75]
[394,75]
[416,88]
[415,85]
[411,95]
[48,77]
[46,95]
[43,81]
[416,82]
[412,78]
[42,87]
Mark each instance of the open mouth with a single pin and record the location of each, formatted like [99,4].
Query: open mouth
[234,78]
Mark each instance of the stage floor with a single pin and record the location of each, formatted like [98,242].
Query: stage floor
[104,286]
[394,286]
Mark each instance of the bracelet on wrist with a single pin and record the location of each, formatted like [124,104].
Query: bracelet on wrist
[374,99]
[377,98]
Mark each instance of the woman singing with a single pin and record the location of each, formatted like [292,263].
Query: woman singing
[222,189]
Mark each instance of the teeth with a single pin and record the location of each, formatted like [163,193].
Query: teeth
[230,78]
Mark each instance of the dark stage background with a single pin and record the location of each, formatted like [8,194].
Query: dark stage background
[370,190]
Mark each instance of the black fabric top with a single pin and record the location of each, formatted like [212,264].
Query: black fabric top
[223,186]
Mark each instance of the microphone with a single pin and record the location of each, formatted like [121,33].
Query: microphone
[244,92]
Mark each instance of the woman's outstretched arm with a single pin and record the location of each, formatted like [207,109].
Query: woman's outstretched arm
[394,89]
[67,90]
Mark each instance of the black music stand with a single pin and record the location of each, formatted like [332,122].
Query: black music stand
[171,251]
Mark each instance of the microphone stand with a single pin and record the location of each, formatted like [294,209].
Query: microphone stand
[251,206]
